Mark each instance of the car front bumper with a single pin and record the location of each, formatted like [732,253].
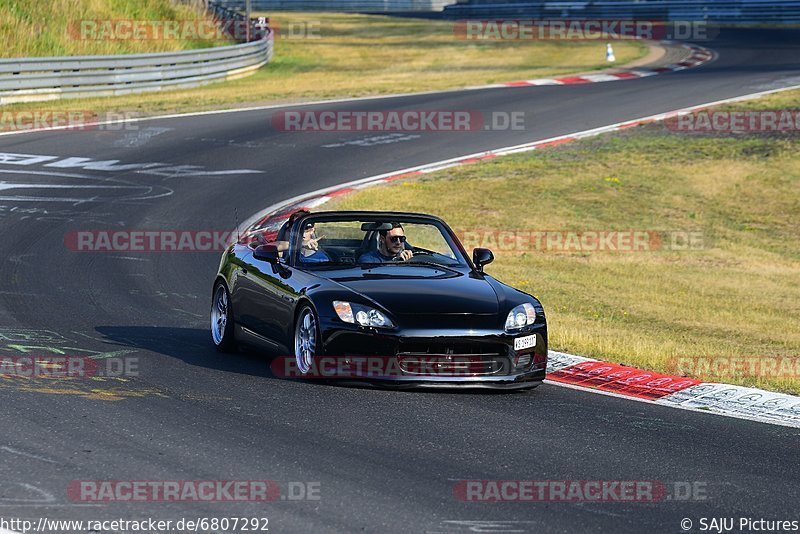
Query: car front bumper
[441,357]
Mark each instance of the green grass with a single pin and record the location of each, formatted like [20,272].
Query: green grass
[738,296]
[360,55]
[47,27]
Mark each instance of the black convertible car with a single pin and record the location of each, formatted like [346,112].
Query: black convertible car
[382,296]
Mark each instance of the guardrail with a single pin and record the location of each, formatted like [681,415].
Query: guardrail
[720,11]
[364,6]
[51,78]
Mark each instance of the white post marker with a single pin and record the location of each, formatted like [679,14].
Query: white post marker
[610,54]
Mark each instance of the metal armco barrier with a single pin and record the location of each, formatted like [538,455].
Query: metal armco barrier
[370,6]
[719,11]
[52,78]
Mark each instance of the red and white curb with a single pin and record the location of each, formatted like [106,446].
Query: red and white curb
[698,55]
[677,392]
[579,372]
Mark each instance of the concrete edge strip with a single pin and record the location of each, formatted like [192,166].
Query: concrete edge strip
[638,72]
[578,372]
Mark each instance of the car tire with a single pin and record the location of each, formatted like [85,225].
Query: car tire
[306,339]
[222,319]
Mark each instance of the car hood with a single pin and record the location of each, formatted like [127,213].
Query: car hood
[412,290]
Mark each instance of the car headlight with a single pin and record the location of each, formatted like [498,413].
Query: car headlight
[520,316]
[362,315]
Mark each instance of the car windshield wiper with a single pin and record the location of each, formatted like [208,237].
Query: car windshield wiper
[421,263]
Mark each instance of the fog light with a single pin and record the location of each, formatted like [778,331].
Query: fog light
[524,360]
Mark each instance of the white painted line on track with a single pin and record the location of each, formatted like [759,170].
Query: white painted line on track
[5,448]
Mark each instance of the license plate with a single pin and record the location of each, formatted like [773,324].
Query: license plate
[525,342]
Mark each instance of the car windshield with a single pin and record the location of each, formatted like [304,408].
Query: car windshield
[342,243]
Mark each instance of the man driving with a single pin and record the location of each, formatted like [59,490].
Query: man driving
[391,247]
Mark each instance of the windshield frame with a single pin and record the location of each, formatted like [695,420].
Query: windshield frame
[295,237]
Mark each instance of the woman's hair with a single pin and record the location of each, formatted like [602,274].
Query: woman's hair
[296,215]
[289,222]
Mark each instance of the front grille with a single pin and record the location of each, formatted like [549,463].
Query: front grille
[457,359]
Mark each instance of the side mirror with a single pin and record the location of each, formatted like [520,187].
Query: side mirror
[268,253]
[481,257]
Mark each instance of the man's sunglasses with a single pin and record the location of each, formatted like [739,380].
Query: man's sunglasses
[398,238]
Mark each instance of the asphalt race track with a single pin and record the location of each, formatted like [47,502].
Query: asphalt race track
[384,461]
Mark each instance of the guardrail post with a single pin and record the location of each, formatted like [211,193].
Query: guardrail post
[248,12]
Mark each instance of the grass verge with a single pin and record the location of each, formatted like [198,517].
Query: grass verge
[38,28]
[726,308]
[328,55]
